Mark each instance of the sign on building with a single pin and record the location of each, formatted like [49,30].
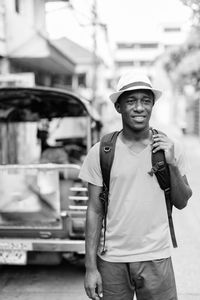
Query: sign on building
[17,79]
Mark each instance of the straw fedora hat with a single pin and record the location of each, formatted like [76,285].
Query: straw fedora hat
[134,81]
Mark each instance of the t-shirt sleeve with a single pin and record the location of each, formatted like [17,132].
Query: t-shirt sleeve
[90,170]
[181,158]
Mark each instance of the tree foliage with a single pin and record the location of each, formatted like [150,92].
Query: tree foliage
[183,63]
[194,5]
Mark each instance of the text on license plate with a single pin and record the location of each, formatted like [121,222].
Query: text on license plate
[13,257]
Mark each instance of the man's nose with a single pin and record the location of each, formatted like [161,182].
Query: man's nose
[139,106]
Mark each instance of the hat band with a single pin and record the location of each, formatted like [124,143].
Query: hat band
[137,83]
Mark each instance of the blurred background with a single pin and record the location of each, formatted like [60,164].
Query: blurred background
[84,46]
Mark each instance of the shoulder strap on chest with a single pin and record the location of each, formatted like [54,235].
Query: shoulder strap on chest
[107,151]
[160,167]
[161,170]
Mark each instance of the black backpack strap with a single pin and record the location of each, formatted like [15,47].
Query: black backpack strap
[161,169]
[107,151]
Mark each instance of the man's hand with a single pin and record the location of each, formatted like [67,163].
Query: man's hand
[93,285]
[162,142]
[180,189]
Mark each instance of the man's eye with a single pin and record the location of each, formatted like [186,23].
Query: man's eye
[147,100]
[130,101]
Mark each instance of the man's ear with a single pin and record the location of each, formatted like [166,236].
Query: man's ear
[117,107]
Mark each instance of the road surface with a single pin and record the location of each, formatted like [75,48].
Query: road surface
[186,257]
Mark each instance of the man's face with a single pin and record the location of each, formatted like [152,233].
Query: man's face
[135,108]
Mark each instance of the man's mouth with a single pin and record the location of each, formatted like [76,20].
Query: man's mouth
[139,118]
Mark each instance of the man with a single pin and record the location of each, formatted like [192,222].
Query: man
[137,258]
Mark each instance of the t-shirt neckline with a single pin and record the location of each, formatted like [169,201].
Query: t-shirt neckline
[131,150]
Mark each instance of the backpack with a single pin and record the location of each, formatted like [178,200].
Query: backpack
[160,169]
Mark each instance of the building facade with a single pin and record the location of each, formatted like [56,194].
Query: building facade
[141,54]
[26,49]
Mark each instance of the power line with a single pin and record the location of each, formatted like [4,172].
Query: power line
[79,12]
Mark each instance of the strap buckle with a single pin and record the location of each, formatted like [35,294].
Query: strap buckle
[107,149]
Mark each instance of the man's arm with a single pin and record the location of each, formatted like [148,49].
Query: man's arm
[180,189]
[94,217]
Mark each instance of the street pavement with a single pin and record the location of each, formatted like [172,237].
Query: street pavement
[62,282]
[186,258]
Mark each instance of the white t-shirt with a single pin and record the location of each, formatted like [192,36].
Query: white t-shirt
[137,222]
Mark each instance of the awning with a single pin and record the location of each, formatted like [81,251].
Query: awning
[39,54]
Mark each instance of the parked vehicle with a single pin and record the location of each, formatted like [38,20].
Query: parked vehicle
[44,135]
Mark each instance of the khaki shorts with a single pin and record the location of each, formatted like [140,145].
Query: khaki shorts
[149,280]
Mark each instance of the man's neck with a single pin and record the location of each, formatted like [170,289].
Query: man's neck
[137,136]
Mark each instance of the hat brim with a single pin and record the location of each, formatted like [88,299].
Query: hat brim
[115,96]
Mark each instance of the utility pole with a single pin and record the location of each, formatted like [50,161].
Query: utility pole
[95,59]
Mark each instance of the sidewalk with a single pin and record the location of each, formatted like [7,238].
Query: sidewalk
[186,258]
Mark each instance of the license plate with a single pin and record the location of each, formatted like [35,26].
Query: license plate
[13,257]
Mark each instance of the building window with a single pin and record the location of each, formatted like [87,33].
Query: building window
[109,83]
[172,29]
[145,63]
[82,80]
[148,45]
[124,63]
[17,6]
[57,80]
[68,80]
[125,45]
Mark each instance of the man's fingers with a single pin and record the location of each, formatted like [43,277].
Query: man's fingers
[159,135]
[88,292]
[93,293]
[163,144]
[161,138]
[93,285]
[160,146]
[100,289]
